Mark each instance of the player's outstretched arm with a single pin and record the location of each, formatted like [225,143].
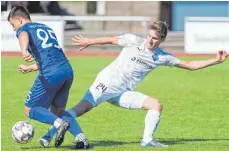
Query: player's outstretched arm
[84,42]
[195,65]
[25,69]
[24,43]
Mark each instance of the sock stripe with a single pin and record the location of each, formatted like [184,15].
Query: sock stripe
[80,137]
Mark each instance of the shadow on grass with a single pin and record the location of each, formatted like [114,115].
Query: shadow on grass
[64,147]
[173,141]
[169,141]
[92,145]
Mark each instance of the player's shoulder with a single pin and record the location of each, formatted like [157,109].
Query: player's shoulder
[40,25]
[24,28]
[36,25]
[133,39]
[161,52]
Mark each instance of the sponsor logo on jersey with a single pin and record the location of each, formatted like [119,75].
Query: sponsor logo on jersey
[134,58]
[141,62]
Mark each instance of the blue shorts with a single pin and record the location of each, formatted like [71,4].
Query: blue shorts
[51,90]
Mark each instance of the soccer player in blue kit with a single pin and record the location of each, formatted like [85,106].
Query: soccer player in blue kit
[52,85]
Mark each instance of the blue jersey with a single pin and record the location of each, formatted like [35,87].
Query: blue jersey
[44,47]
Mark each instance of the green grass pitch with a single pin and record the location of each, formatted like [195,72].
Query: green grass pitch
[195,115]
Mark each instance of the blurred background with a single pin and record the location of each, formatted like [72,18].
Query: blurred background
[195,26]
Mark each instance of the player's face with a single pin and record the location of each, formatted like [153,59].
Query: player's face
[16,23]
[153,39]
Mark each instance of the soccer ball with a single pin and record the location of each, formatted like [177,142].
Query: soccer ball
[22,132]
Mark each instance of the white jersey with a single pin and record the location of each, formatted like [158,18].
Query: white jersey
[133,63]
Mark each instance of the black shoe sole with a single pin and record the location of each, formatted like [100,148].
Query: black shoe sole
[59,140]
[80,145]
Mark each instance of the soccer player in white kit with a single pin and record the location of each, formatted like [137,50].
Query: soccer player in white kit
[139,56]
[116,83]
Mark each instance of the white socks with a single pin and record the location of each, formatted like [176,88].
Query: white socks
[80,137]
[57,123]
[151,121]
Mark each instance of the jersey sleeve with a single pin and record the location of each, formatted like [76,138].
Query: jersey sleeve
[20,30]
[128,40]
[170,60]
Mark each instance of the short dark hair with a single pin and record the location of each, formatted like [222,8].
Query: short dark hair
[160,27]
[19,11]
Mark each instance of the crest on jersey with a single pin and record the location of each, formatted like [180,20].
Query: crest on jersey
[155,57]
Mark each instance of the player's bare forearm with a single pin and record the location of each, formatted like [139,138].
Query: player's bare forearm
[85,42]
[103,40]
[195,65]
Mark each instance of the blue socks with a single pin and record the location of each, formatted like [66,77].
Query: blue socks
[51,132]
[74,126]
[42,115]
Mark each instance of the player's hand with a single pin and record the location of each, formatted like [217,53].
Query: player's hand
[27,56]
[80,41]
[221,56]
[23,68]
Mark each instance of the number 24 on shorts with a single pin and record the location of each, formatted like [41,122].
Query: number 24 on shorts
[101,87]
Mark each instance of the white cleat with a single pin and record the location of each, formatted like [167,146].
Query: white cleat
[153,143]
[45,143]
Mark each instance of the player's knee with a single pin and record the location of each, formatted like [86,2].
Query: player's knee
[56,110]
[158,105]
[26,110]
[153,104]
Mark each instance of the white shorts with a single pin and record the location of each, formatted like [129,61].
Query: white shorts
[100,92]
[129,100]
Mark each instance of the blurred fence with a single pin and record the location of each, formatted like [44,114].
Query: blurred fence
[10,43]
[206,34]
[201,35]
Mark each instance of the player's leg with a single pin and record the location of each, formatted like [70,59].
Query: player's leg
[56,110]
[81,108]
[78,110]
[37,104]
[93,97]
[152,120]
[137,100]
[70,115]
[43,115]
[75,128]
[58,105]
[60,101]
[47,137]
